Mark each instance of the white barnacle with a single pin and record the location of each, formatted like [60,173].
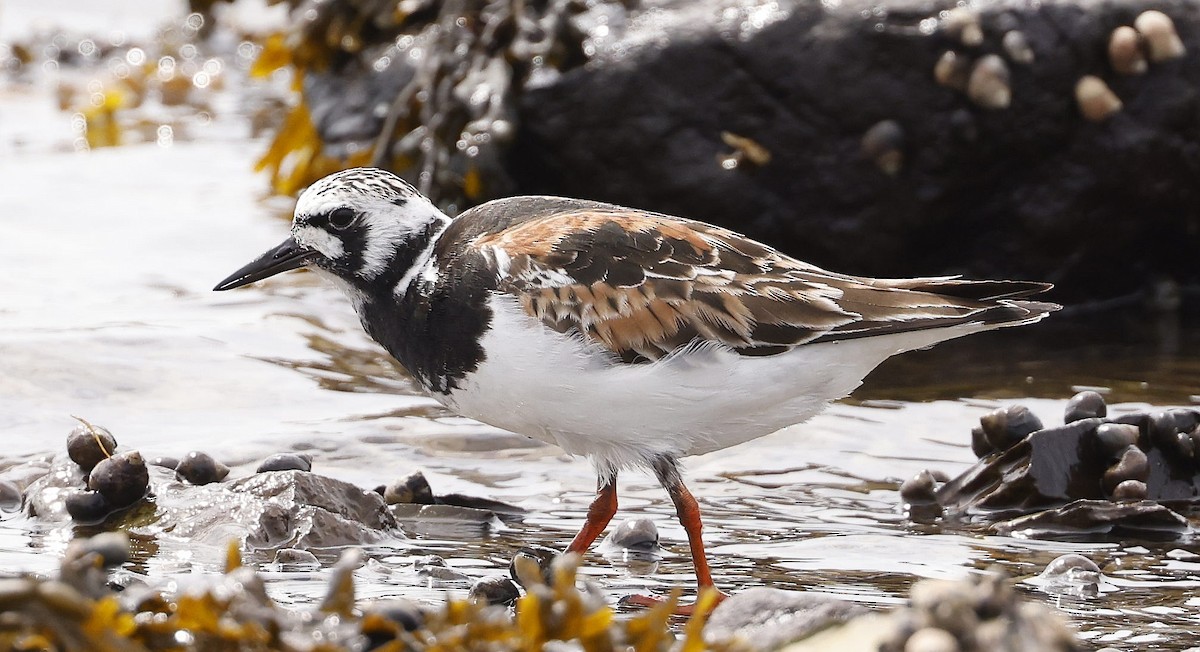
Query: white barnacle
[989,83]
[1016,46]
[1096,100]
[1125,51]
[1161,38]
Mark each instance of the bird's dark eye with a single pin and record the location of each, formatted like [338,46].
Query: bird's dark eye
[340,218]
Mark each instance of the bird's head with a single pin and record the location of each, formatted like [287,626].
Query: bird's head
[350,224]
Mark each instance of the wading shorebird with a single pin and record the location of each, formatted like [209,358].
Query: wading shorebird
[631,337]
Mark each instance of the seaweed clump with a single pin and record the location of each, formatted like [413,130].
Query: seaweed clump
[79,611]
[426,89]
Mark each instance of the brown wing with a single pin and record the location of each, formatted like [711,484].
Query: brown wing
[644,285]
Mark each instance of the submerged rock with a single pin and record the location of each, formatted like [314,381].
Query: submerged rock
[765,618]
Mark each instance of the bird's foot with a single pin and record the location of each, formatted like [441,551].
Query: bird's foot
[703,606]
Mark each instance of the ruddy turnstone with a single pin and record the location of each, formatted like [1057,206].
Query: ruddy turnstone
[631,337]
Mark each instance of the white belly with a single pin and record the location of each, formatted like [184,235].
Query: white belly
[564,390]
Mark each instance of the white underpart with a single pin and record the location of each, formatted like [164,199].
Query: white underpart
[567,391]
[310,237]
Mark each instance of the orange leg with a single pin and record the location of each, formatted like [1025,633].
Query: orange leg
[598,515]
[667,470]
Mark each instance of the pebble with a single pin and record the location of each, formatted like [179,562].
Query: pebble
[1116,437]
[637,534]
[1130,490]
[1133,465]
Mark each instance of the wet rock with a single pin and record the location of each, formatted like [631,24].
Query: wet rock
[764,618]
[1099,517]
[286,462]
[1085,405]
[10,496]
[87,445]
[1056,479]
[1073,575]
[495,590]
[636,534]
[411,489]
[200,468]
[122,479]
[980,614]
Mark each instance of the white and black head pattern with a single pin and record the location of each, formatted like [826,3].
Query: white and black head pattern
[362,221]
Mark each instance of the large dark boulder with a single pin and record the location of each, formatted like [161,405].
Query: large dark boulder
[1103,208]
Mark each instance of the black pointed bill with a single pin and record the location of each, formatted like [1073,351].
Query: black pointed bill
[287,256]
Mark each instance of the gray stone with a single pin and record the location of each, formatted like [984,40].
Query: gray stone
[765,618]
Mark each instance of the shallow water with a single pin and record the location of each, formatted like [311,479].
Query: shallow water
[109,257]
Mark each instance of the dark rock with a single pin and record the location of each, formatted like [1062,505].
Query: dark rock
[1095,517]
[1048,468]
[1085,405]
[122,478]
[200,468]
[599,132]
[764,618]
[10,496]
[495,590]
[413,488]
[87,445]
[286,462]
[635,534]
